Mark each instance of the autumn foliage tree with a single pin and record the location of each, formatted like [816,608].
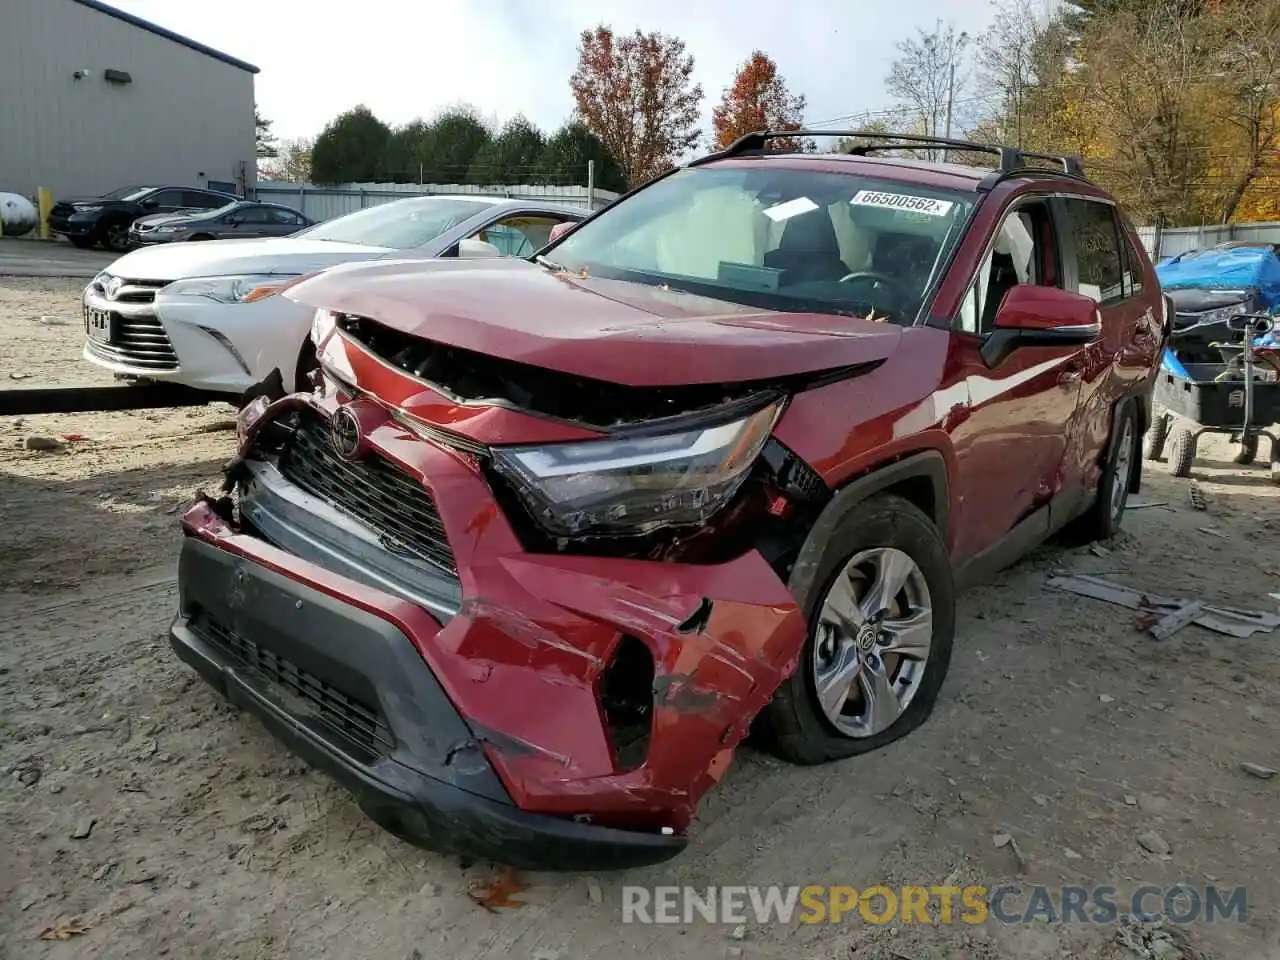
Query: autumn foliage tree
[758,100]
[637,95]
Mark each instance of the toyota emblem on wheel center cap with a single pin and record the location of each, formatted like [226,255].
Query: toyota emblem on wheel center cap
[346,434]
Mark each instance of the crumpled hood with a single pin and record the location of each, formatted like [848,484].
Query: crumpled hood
[284,255]
[626,333]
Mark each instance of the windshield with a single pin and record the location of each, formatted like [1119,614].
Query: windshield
[127,193]
[400,225]
[777,238]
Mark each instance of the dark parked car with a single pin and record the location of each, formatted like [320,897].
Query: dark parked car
[239,220]
[549,536]
[105,220]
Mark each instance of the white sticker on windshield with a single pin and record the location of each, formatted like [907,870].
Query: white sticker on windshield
[792,208]
[902,201]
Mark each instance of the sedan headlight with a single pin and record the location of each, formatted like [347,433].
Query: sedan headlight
[87,208]
[167,229]
[632,485]
[244,289]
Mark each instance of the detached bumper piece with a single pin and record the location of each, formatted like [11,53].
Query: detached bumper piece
[346,691]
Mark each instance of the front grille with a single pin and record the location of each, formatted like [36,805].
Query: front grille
[372,490]
[350,722]
[139,341]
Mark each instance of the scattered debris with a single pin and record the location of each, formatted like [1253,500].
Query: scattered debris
[19,376]
[1139,504]
[102,871]
[1211,531]
[594,893]
[1258,770]
[64,930]
[83,827]
[973,760]
[1071,854]
[1130,800]
[1039,800]
[1152,842]
[498,892]
[1099,551]
[739,932]
[1106,698]
[1171,623]
[218,426]
[75,438]
[1255,712]
[551,955]
[45,444]
[1232,621]
[1198,500]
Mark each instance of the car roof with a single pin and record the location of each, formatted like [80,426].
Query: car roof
[949,176]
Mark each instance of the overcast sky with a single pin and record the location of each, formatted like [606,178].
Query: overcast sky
[409,58]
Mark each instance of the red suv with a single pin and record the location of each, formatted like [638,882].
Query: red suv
[551,536]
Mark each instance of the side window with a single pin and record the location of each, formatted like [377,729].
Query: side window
[1099,270]
[285,216]
[167,198]
[1023,252]
[202,201]
[519,236]
[1132,268]
[254,215]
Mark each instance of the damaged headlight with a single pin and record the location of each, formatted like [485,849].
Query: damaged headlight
[632,485]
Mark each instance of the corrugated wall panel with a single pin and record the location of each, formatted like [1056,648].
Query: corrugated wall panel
[185,118]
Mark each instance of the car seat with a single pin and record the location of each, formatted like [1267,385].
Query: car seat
[808,251]
[1004,277]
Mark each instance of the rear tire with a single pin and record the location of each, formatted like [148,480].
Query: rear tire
[1105,516]
[919,617]
[1182,452]
[1157,434]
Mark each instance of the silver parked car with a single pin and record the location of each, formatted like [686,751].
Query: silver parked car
[241,220]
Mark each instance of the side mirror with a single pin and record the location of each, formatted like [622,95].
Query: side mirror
[559,230]
[473,249]
[1031,316]
[150,204]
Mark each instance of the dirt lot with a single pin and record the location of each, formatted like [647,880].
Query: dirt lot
[134,801]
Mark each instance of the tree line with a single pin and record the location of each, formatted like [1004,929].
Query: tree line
[1174,105]
[637,112]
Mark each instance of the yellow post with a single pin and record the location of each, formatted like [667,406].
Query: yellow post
[44,204]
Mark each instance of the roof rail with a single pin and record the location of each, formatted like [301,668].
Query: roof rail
[1013,160]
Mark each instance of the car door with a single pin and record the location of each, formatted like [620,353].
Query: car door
[164,201]
[283,222]
[1007,423]
[1099,262]
[252,221]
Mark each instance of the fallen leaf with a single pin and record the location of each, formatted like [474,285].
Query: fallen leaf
[64,931]
[498,892]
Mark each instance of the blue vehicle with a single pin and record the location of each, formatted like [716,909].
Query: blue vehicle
[1219,370]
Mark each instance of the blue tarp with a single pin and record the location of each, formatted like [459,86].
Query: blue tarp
[1225,268]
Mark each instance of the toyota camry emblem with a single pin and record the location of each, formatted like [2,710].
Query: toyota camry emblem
[112,287]
[345,433]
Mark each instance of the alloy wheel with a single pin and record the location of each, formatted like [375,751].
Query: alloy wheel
[1123,468]
[874,634]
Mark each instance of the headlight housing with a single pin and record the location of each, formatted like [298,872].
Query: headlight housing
[87,208]
[636,484]
[167,229]
[242,289]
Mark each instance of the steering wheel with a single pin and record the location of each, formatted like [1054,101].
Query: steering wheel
[896,290]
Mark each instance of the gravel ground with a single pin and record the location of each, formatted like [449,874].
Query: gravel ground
[136,803]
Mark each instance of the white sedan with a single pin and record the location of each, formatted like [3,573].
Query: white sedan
[208,315]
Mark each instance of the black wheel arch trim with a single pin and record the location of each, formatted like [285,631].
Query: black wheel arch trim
[928,465]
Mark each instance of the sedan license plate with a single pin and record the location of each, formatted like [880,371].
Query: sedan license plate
[97,324]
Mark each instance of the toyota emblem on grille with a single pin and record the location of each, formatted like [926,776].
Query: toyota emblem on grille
[112,287]
[345,432]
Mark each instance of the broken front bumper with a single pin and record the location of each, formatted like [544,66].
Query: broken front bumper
[345,690]
[477,720]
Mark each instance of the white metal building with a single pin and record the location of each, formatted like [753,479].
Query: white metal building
[93,98]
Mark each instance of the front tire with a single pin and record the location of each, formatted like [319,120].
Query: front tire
[115,238]
[880,607]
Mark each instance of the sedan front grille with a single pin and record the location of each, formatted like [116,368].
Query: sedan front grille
[138,341]
[372,490]
[345,720]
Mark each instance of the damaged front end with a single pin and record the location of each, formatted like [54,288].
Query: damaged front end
[516,628]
